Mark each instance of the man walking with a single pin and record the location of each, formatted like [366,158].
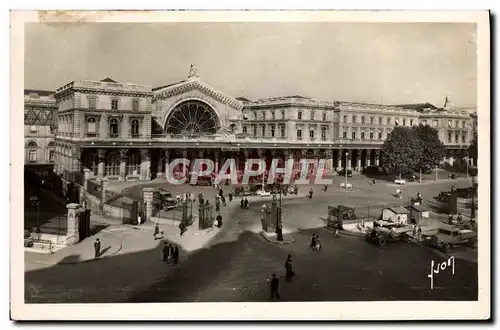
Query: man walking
[97,248]
[274,287]
[165,251]
[175,255]
[219,220]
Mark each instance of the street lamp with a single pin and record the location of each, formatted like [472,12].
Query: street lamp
[346,159]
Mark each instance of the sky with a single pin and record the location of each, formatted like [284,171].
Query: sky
[389,63]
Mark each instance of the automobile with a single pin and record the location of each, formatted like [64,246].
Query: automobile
[400,181]
[383,234]
[374,170]
[166,198]
[343,173]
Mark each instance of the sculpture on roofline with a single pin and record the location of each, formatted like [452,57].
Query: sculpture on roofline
[193,72]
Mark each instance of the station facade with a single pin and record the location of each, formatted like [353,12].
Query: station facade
[125,131]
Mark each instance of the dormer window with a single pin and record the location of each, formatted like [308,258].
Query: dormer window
[324,116]
[311,115]
[135,105]
[92,102]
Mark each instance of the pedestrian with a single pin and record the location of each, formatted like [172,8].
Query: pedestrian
[171,250]
[318,243]
[175,255]
[419,233]
[414,231]
[310,193]
[242,203]
[288,268]
[221,193]
[182,227]
[325,188]
[217,205]
[219,220]
[138,220]
[165,251]
[450,219]
[223,199]
[247,206]
[97,248]
[313,241]
[373,182]
[459,218]
[230,195]
[274,287]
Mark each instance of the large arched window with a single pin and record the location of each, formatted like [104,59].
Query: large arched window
[134,128]
[113,163]
[192,118]
[134,162]
[113,127]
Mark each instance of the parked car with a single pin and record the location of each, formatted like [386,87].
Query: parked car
[166,199]
[343,173]
[382,235]
[456,236]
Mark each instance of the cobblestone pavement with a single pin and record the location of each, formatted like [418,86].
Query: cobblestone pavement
[236,263]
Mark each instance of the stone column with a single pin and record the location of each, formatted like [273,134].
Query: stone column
[73,234]
[148,200]
[145,165]
[339,158]
[368,158]
[329,161]
[377,158]
[359,159]
[123,164]
[349,160]
[100,168]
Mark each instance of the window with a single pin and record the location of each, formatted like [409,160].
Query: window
[273,131]
[380,134]
[396,121]
[283,114]
[371,135]
[411,122]
[33,129]
[404,122]
[282,129]
[463,138]
[389,120]
[449,123]
[114,104]
[134,128]
[463,124]
[91,126]
[311,134]
[263,130]
[311,115]
[344,119]
[51,156]
[255,115]
[324,116]
[32,156]
[244,130]
[113,127]
[135,105]
[362,135]
[299,134]
[345,134]
[362,119]
[273,115]
[92,102]
[435,123]
[449,136]
[380,120]
[353,134]
[372,120]
[457,138]
[323,133]
[263,115]
[299,115]
[456,123]
[32,145]
[254,130]
[353,119]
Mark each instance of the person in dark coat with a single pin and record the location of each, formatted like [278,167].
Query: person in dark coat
[230,196]
[219,220]
[97,248]
[313,241]
[165,251]
[175,255]
[246,203]
[171,250]
[182,227]
[310,193]
[223,199]
[288,268]
[217,206]
[274,287]
[242,203]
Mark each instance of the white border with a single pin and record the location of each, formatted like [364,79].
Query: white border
[250,311]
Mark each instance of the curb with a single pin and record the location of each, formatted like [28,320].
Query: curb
[267,238]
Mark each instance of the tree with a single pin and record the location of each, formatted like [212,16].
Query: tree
[473,148]
[401,150]
[431,147]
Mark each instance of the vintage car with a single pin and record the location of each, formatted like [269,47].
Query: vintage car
[165,199]
[383,234]
[456,236]
[343,173]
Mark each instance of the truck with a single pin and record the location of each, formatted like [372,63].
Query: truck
[383,234]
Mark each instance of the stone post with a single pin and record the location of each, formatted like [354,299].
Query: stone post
[86,177]
[148,200]
[100,168]
[73,234]
[123,164]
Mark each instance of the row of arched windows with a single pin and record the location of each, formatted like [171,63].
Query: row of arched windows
[32,148]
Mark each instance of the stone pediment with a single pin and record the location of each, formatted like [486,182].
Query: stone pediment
[196,84]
